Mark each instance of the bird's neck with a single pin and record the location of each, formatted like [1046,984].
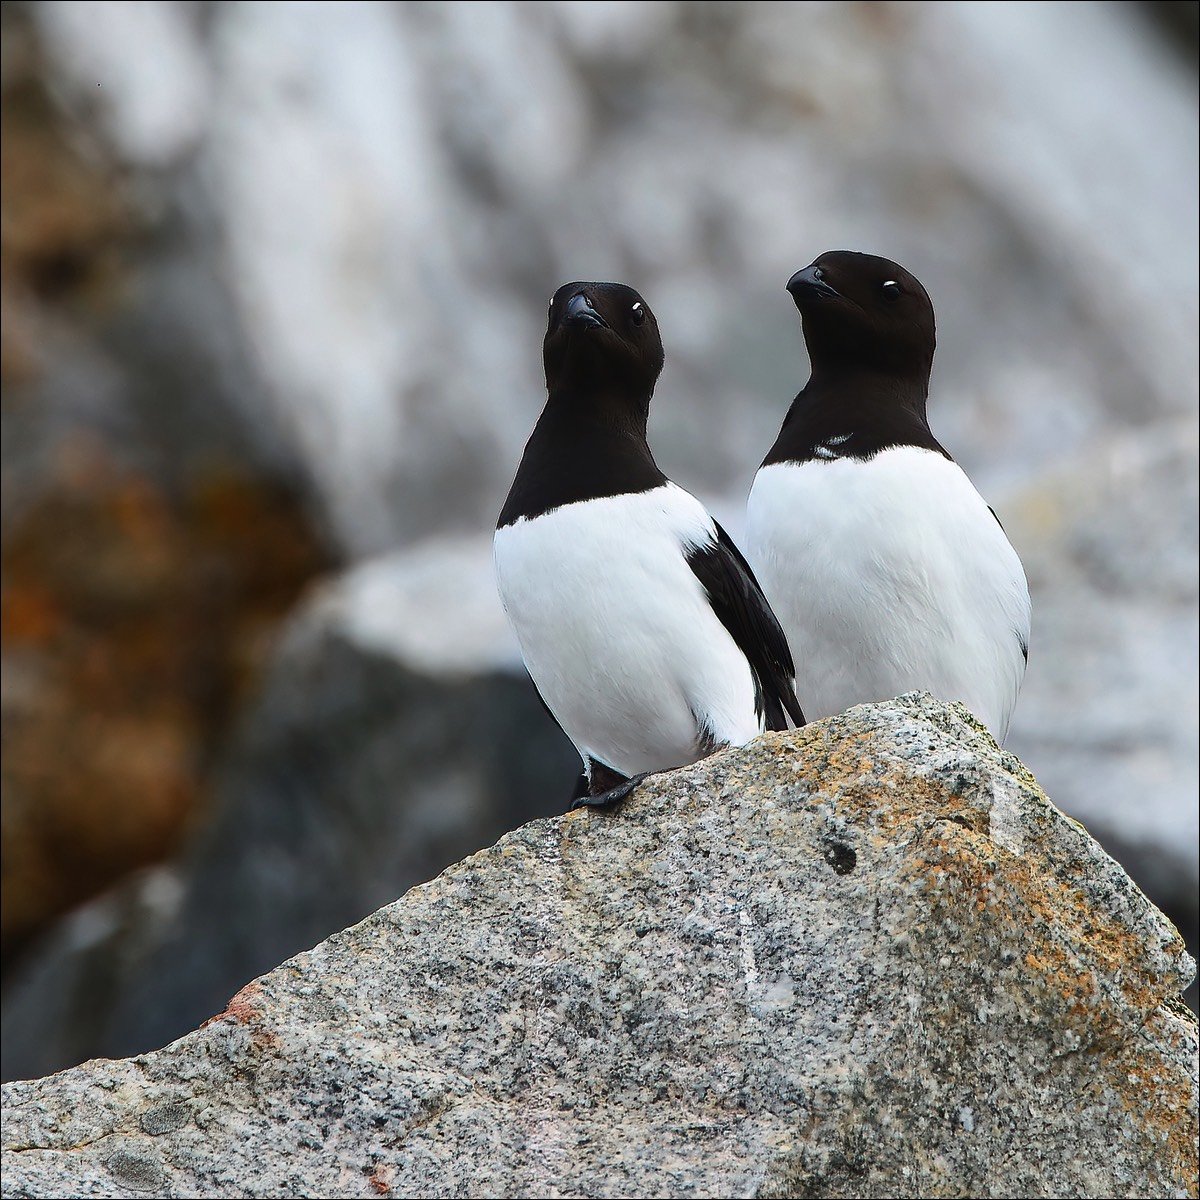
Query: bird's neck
[863,411]
[596,409]
[868,389]
[581,450]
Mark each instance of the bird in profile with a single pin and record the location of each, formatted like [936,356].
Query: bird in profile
[888,570]
[643,628]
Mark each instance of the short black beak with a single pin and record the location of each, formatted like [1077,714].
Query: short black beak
[808,285]
[581,313]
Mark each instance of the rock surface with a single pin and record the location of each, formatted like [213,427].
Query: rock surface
[868,958]
[1095,745]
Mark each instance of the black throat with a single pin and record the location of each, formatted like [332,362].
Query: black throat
[585,445]
[848,412]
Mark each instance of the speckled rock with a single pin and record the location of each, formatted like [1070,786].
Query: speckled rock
[867,958]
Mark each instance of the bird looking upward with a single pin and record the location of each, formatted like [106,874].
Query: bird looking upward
[643,628]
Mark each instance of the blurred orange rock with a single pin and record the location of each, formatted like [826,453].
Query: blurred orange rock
[141,583]
[132,622]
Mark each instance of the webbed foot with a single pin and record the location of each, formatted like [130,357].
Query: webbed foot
[611,796]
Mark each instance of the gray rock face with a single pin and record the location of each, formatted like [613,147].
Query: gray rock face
[867,958]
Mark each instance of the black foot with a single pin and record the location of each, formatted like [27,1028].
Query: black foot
[613,796]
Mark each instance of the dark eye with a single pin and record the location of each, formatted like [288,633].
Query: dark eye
[637,314]
[818,273]
[891,290]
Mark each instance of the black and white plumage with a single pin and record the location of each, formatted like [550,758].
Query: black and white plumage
[886,568]
[641,624]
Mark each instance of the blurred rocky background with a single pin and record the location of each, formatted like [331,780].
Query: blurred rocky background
[273,279]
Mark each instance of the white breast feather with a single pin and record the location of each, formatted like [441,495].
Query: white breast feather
[890,575]
[618,633]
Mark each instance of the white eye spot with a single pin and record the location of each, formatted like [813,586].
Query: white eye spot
[891,290]
[638,313]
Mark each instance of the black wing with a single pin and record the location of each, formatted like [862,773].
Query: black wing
[743,609]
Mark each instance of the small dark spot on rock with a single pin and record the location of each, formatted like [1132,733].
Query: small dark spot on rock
[165,1118]
[320,1008]
[959,819]
[840,857]
[136,1173]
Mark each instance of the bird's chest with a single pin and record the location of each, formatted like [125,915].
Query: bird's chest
[847,513]
[879,545]
[617,631]
[594,576]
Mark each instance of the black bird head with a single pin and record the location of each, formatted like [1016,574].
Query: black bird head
[601,338]
[864,312]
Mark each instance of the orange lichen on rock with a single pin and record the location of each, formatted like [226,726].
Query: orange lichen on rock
[133,622]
